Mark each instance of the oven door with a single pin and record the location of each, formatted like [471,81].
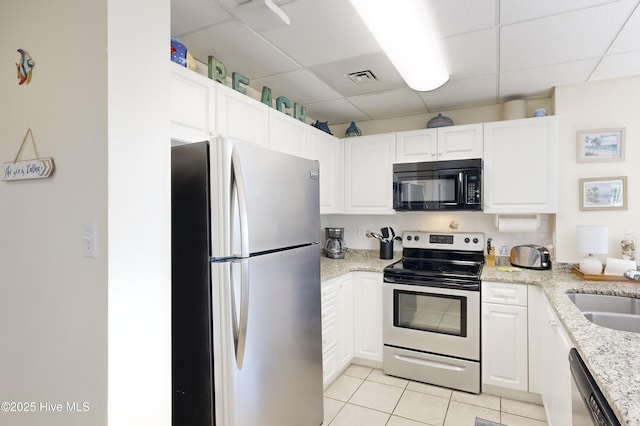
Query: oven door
[431,319]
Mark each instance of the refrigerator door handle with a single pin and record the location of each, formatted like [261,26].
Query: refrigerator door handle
[239,322]
[237,181]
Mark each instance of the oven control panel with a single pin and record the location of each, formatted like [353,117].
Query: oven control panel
[471,241]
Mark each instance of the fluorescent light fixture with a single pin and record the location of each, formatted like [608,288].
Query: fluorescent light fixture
[277,11]
[261,15]
[405,31]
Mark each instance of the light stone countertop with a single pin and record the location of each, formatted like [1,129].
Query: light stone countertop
[355,260]
[612,356]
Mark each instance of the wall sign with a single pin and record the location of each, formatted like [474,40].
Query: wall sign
[37,168]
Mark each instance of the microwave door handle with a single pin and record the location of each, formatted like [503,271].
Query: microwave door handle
[460,192]
[461,197]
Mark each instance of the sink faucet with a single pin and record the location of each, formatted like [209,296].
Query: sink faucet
[632,275]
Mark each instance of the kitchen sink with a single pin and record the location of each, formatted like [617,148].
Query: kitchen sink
[616,312]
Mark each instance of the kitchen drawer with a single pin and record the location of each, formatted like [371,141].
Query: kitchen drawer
[504,293]
[329,366]
[329,290]
[329,328]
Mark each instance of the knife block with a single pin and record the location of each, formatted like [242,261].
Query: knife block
[490,259]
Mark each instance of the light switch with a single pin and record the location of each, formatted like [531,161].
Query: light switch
[89,239]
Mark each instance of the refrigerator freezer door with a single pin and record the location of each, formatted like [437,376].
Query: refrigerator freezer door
[266,199]
[280,379]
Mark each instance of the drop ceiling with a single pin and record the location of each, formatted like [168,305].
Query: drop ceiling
[496,50]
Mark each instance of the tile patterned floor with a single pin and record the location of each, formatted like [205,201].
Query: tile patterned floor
[366,396]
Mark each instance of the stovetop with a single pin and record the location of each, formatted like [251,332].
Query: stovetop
[454,260]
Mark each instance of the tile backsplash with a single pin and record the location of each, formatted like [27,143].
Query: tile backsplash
[439,222]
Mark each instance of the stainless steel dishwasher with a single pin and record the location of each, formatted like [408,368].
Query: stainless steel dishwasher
[588,404]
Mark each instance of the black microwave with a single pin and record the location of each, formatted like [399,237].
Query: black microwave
[438,185]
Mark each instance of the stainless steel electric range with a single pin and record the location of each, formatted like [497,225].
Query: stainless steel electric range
[431,310]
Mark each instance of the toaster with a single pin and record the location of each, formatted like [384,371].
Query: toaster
[530,256]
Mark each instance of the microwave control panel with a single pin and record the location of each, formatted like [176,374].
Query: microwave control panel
[472,186]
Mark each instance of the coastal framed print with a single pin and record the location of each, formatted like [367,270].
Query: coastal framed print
[606,193]
[600,145]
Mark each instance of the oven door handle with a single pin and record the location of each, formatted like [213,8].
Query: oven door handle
[469,286]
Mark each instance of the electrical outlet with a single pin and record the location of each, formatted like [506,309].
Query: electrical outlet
[362,231]
[89,239]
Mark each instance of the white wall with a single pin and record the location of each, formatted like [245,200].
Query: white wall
[77,329]
[139,160]
[602,104]
[53,302]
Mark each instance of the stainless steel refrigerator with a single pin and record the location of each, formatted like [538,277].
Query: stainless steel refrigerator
[246,325]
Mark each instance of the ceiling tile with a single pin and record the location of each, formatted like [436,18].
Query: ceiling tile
[539,81]
[463,16]
[393,103]
[335,112]
[522,50]
[190,15]
[629,38]
[240,49]
[472,54]
[615,66]
[546,41]
[335,74]
[523,10]
[299,86]
[458,93]
[322,31]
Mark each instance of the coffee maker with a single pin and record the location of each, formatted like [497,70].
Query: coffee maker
[334,247]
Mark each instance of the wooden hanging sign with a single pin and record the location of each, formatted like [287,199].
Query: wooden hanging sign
[37,168]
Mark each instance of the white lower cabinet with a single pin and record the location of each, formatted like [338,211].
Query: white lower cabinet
[337,326]
[504,335]
[549,365]
[367,312]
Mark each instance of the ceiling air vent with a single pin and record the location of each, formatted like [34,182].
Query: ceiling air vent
[361,77]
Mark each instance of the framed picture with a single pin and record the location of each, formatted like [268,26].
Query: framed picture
[607,193]
[600,145]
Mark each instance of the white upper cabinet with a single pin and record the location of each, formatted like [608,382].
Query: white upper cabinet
[242,117]
[329,151]
[442,143]
[193,100]
[416,146]
[460,142]
[369,174]
[520,166]
[288,135]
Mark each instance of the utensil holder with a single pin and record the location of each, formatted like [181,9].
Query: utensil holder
[386,250]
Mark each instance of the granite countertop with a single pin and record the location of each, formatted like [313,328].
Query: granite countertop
[355,260]
[612,356]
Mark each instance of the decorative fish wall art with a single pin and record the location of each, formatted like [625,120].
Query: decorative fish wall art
[25,67]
